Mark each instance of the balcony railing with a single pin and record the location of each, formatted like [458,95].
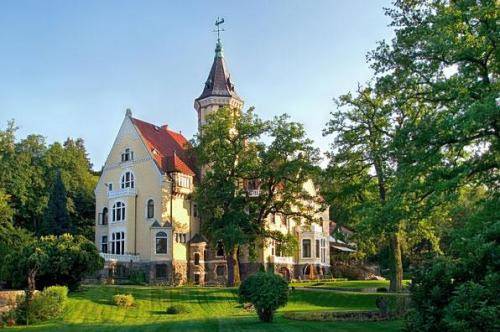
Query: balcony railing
[125,258]
[122,192]
[253,192]
[281,260]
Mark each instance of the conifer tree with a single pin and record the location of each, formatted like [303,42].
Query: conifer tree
[56,219]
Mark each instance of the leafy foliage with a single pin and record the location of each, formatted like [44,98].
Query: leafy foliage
[123,300]
[45,305]
[266,291]
[28,172]
[52,260]
[459,292]
[236,160]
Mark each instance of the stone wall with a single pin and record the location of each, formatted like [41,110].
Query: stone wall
[8,299]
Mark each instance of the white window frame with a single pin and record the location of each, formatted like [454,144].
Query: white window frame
[161,235]
[127,155]
[118,210]
[310,248]
[104,243]
[117,243]
[183,180]
[130,183]
[147,208]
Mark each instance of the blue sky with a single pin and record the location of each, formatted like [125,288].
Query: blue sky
[71,68]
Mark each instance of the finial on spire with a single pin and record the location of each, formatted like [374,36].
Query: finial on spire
[218,48]
[128,113]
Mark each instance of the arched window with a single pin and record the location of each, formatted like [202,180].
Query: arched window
[161,243]
[127,180]
[220,249]
[197,258]
[104,216]
[151,209]
[118,212]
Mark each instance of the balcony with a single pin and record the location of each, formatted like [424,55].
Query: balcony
[253,192]
[126,258]
[281,260]
[122,193]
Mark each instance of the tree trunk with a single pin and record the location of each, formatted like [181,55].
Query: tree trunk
[31,283]
[233,267]
[396,270]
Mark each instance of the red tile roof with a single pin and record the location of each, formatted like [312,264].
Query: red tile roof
[168,148]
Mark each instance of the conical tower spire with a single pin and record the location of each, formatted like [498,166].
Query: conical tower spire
[219,89]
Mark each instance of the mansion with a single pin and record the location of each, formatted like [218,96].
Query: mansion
[147,220]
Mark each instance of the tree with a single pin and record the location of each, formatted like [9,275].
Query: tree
[266,291]
[245,180]
[459,292]
[56,219]
[28,170]
[363,169]
[12,240]
[442,70]
[52,260]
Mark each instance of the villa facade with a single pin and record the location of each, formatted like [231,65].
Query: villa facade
[147,220]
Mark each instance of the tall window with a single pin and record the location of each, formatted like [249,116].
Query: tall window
[220,249]
[161,243]
[317,248]
[104,216]
[127,155]
[323,250]
[118,243]
[118,212]
[306,248]
[104,244]
[197,258]
[180,237]
[151,209]
[195,210]
[127,180]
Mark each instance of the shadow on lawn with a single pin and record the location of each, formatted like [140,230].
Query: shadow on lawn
[241,323]
[189,295]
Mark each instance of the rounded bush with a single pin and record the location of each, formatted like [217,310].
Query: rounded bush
[266,291]
[47,304]
[177,309]
[123,300]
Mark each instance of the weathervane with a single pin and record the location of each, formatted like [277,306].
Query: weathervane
[218,22]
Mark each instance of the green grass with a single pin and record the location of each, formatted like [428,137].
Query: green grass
[354,285]
[211,309]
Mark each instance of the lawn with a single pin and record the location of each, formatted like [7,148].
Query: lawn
[212,309]
[351,285]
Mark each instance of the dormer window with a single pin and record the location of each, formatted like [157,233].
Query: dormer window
[127,180]
[127,155]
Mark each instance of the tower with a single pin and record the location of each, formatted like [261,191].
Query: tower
[219,90]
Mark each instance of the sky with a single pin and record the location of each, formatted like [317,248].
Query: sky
[72,68]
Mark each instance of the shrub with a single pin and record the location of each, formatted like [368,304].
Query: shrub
[137,277]
[459,292]
[382,290]
[45,305]
[123,300]
[177,309]
[266,291]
